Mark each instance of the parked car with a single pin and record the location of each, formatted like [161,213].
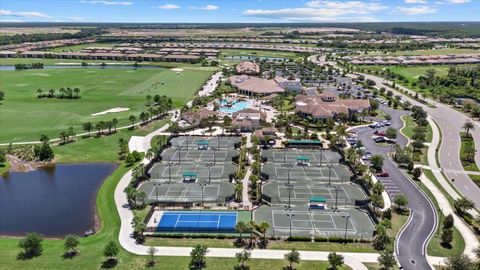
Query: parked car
[379,133]
[366,156]
[382,174]
[379,139]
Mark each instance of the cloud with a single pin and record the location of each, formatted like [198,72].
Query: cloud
[323,11]
[10,21]
[75,18]
[207,7]
[415,1]
[107,2]
[458,1]
[169,6]
[34,14]
[416,10]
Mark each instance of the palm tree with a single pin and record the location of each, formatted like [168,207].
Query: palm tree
[149,99]
[262,228]
[238,190]
[51,92]
[132,118]
[115,123]
[77,91]
[63,135]
[242,258]
[467,126]
[241,227]
[39,92]
[109,125]
[292,257]
[251,226]
[143,117]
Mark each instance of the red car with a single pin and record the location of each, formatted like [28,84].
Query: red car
[379,133]
[382,174]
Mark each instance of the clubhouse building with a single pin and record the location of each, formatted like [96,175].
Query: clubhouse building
[327,105]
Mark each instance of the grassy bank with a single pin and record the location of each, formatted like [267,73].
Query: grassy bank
[407,130]
[24,117]
[102,149]
[475,178]
[4,168]
[467,143]
[435,248]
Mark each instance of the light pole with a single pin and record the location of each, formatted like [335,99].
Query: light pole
[290,215]
[203,188]
[179,148]
[209,165]
[285,156]
[289,166]
[169,172]
[337,188]
[346,226]
[321,156]
[289,188]
[156,194]
[214,159]
[329,173]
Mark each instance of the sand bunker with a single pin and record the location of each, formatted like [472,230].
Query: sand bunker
[176,69]
[112,110]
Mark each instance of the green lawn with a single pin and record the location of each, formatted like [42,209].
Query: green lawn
[467,143]
[25,117]
[102,149]
[434,246]
[4,168]
[475,179]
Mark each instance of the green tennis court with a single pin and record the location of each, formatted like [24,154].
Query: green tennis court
[201,171]
[195,155]
[196,142]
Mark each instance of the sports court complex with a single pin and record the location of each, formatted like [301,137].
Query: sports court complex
[194,171]
[309,193]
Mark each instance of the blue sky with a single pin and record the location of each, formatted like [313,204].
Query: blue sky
[269,11]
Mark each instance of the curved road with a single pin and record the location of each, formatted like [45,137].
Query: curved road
[410,245]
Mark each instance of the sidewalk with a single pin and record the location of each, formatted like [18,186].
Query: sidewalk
[471,241]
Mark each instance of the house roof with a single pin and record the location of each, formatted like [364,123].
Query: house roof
[255,85]
[317,107]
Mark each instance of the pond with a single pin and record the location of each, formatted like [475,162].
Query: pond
[53,201]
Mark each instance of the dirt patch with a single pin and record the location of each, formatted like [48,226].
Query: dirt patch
[18,165]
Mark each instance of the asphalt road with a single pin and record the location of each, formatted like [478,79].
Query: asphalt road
[410,245]
[450,123]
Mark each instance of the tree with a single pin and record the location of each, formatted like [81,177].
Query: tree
[468,126]
[63,136]
[71,243]
[45,153]
[262,228]
[459,262]
[132,118]
[151,253]
[387,260]
[31,246]
[111,251]
[417,172]
[198,257]
[391,133]
[115,123]
[335,260]
[88,126]
[174,128]
[2,95]
[240,228]
[400,201]
[463,204]
[242,258]
[377,162]
[381,238]
[44,138]
[448,222]
[447,237]
[3,157]
[149,99]
[292,257]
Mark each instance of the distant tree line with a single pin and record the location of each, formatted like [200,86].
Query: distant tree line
[21,38]
[67,93]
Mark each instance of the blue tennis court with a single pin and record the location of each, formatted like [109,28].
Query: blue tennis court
[192,221]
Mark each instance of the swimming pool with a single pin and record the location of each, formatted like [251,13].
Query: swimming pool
[236,106]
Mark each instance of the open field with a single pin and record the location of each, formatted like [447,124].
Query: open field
[24,116]
[428,52]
